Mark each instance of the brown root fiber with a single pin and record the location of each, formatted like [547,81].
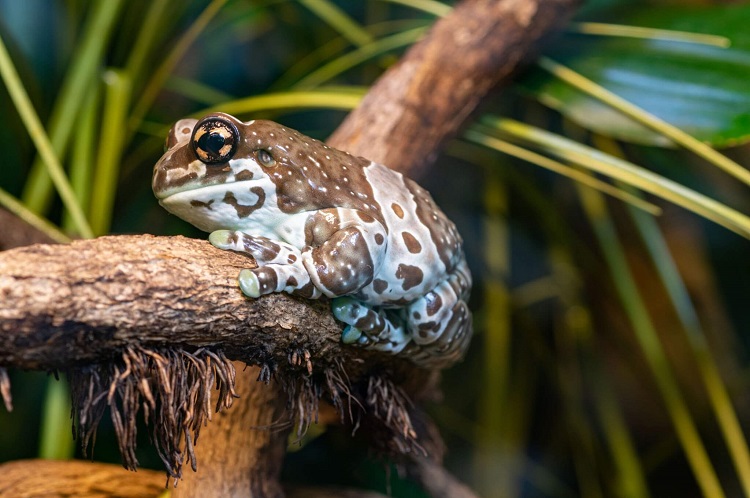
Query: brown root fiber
[390,406]
[5,389]
[172,387]
[375,402]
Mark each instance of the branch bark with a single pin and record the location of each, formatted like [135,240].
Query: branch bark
[71,305]
[428,95]
[50,478]
[66,305]
[35,478]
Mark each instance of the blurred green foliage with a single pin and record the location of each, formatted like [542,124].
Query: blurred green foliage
[610,357]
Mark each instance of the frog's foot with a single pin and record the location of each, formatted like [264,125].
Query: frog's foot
[449,345]
[440,324]
[262,249]
[280,265]
[369,328]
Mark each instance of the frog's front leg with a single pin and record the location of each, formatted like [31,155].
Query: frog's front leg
[341,249]
[280,267]
[345,249]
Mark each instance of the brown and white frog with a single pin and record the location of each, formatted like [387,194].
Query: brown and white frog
[321,222]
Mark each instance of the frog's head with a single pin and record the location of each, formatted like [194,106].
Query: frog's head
[218,171]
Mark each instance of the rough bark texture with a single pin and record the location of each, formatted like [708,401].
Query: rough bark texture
[49,479]
[82,479]
[428,95]
[246,445]
[66,305]
[63,306]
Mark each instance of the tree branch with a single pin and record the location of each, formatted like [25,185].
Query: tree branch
[65,305]
[35,478]
[428,95]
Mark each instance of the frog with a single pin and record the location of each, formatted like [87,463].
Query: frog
[323,223]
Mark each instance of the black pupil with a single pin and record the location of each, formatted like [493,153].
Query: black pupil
[211,142]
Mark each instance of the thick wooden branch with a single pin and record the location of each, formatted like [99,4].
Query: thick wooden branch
[65,305]
[428,95]
[35,478]
[50,478]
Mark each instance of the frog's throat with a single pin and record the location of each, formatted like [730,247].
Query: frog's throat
[204,193]
[234,205]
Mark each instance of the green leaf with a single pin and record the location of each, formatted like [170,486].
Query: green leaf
[700,88]
[339,20]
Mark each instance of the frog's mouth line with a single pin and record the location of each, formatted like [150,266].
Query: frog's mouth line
[206,193]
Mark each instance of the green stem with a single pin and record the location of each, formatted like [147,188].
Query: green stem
[160,75]
[82,74]
[110,150]
[339,20]
[618,169]
[495,412]
[39,137]
[55,441]
[82,155]
[645,332]
[574,174]
[337,66]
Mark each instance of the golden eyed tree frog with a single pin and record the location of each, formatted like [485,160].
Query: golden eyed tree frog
[321,222]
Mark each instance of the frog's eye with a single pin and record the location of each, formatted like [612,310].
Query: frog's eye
[215,139]
[265,158]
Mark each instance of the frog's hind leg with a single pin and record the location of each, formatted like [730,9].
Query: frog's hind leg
[439,323]
[280,264]
[368,327]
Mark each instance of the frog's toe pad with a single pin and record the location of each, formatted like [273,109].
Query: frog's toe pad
[348,310]
[351,335]
[223,239]
[249,283]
